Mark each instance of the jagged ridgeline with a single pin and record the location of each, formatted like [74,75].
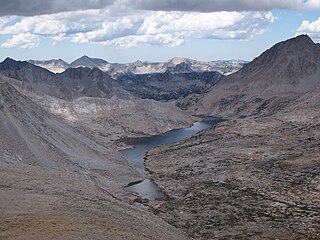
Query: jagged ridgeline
[93,77]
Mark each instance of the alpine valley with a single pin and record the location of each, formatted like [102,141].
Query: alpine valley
[252,173]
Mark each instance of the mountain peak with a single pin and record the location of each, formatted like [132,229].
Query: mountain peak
[301,46]
[290,65]
[8,60]
[302,37]
[10,63]
[182,67]
[88,62]
[297,43]
[85,57]
[177,60]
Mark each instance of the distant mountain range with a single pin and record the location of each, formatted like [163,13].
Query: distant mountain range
[91,81]
[175,65]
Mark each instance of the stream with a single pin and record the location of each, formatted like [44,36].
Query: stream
[140,146]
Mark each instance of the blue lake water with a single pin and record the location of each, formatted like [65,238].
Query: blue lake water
[140,146]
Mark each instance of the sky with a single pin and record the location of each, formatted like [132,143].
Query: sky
[151,30]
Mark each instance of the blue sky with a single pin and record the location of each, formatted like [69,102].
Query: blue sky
[129,30]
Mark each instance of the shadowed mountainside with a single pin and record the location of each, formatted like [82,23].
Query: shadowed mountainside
[93,82]
[168,85]
[35,78]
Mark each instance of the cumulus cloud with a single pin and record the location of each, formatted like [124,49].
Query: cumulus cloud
[154,28]
[39,7]
[223,5]
[22,40]
[175,28]
[310,28]
[58,26]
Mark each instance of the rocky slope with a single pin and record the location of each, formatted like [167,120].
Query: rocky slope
[38,203]
[168,85]
[110,120]
[59,182]
[35,78]
[53,65]
[245,179]
[84,81]
[31,135]
[267,84]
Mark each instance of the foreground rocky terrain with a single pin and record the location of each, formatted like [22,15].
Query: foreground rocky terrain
[40,203]
[245,179]
[59,182]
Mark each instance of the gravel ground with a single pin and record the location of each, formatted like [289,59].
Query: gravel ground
[244,179]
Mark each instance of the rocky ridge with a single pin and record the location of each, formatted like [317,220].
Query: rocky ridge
[270,82]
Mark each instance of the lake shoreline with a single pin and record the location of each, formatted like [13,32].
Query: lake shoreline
[138,148]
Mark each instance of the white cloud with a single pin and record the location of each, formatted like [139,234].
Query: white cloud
[22,40]
[109,30]
[156,39]
[55,24]
[310,28]
[175,28]
[128,29]
[4,21]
